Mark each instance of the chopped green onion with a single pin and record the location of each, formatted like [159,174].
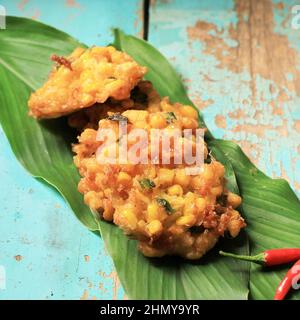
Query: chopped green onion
[170,117]
[147,183]
[117,117]
[166,204]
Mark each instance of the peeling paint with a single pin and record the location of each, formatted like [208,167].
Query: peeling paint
[252,40]
[139,20]
[246,66]
[36,15]
[297,125]
[220,121]
[85,295]
[72,4]
[18,257]
[21,5]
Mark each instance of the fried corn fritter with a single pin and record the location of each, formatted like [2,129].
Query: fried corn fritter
[86,77]
[168,211]
[89,117]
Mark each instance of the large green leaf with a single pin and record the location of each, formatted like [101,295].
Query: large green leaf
[272,211]
[42,147]
[270,207]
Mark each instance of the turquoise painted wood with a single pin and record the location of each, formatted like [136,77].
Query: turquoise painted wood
[241,64]
[46,252]
[240,61]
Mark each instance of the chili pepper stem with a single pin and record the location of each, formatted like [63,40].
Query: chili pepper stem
[259,258]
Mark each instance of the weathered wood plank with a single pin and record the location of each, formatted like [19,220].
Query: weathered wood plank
[240,62]
[88,21]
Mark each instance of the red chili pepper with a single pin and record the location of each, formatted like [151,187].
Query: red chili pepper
[269,258]
[290,279]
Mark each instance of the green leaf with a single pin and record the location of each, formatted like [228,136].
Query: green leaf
[272,211]
[172,278]
[43,147]
[270,207]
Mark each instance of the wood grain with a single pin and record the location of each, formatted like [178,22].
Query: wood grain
[240,61]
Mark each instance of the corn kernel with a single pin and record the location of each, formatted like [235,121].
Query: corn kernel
[165,176]
[235,224]
[141,224]
[175,190]
[108,213]
[208,173]
[218,168]
[158,121]
[83,186]
[140,196]
[154,228]
[181,178]
[234,200]
[165,105]
[124,178]
[152,211]
[92,165]
[88,136]
[189,206]
[130,218]
[137,117]
[217,191]
[189,123]
[200,204]
[100,179]
[188,111]
[177,203]
[86,98]
[186,221]
[196,182]
[150,172]
[93,200]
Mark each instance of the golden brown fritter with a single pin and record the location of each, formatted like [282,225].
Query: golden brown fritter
[86,77]
[141,97]
[168,211]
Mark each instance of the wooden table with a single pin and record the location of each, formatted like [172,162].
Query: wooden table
[241,64]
